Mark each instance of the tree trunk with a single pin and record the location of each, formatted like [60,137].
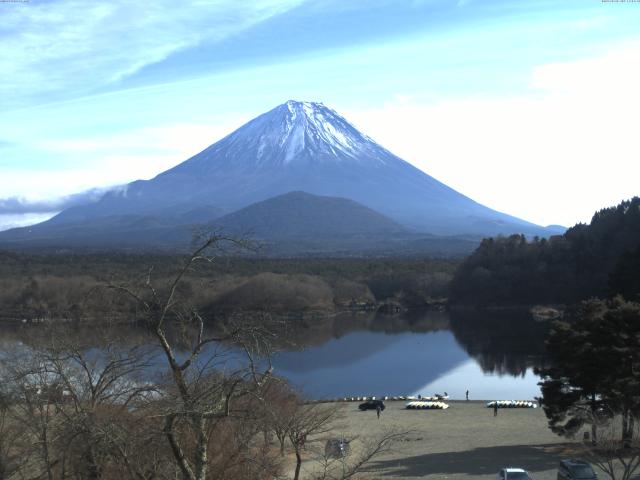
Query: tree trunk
[45,450]
[296,475]
[625,429]
[178,454]
[94,472]
[201,448]
[594,417]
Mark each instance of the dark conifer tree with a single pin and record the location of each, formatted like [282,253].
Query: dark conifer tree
[600,259]
[595,370]
[625,277]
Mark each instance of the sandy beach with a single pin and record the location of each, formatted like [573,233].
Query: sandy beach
[464,442]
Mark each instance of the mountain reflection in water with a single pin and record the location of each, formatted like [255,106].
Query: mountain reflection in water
[489,353]
[368,363]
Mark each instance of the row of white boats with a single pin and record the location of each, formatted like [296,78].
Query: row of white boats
[433,403]
[426,405]
[512,404]
[401,398]
[437,405]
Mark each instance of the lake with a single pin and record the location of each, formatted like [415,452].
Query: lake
[368,363]
[491,354]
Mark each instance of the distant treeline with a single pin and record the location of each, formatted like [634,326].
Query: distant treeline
[71,286]
[600,259]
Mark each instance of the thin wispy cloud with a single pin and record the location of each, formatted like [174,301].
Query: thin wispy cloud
[11,220]
[101,161]
[21,205]
[71,47]
[21,211]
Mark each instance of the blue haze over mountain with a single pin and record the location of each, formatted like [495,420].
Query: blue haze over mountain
[297,146]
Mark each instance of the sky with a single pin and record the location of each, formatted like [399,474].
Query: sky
[528,107]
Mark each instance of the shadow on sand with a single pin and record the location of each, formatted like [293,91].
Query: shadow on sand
[479,461]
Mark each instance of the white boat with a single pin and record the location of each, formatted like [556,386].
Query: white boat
[426,405]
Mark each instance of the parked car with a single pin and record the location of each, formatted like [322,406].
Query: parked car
[371,405]
[336,448]
[512,473]
[575,470]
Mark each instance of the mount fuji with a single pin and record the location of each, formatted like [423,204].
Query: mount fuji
[296,147]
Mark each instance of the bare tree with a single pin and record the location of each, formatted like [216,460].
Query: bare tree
[32,393]
[101,387]
[13,440]
[363,452]
[281,402]
[203,391]
[617,455]
[305,423]
[70,399]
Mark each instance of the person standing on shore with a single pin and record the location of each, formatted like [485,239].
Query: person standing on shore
[495,409]
[467,395]
[378,410]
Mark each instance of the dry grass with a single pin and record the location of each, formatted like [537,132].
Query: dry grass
[462,443]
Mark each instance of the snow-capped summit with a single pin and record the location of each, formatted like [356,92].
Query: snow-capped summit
[317,129]
[300,132]
[302,147]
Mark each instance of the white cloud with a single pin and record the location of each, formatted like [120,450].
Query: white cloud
[22,220]
[614,73]
[109,160]
[554,154]
[115,160]
[80,46]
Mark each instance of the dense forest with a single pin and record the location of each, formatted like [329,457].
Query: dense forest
[71,286]
[600,259]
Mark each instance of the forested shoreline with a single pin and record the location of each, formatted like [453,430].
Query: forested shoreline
[69,286]
[596,260]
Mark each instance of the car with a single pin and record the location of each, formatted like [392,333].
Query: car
[336,448]
[371,405]
[575,470]
[513,473]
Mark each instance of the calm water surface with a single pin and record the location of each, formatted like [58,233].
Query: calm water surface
[491,355]
[368,363]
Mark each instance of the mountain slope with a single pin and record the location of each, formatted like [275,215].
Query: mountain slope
[299,214]
[301,146]
[298,223]
[293,224]
[297,146]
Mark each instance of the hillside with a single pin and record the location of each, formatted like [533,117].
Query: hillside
[299,223]
[294,224]
[588,260]
[300,214]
